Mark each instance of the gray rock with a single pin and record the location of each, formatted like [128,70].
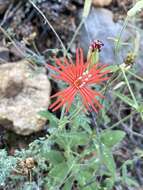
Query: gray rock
[100,25]
[139,60]
[4,54]
[23,93]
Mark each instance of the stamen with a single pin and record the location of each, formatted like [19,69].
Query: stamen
[89,75]
[82,84]
[79,78]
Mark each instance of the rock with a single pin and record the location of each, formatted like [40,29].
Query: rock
[100,26]
[101,3]
[139,60]
[4,54]
[23,93]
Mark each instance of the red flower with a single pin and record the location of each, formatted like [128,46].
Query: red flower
[78,77]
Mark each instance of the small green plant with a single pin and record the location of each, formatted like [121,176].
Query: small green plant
[7,164]
[79,148]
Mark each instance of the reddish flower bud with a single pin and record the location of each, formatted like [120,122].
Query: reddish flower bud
[96,45]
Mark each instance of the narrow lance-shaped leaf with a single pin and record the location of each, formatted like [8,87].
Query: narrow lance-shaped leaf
[108,160]
[125,99]
[137,8]
[49,116]
[87,5]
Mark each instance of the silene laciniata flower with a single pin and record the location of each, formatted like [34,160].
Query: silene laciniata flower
[79,77]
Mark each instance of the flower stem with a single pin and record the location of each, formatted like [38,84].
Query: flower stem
[134,75]
[129,87]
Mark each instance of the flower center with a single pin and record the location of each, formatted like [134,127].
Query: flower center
[78,82]
[82,80]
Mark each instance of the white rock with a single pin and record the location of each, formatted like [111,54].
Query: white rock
[23,93]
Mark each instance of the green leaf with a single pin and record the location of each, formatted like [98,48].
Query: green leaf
[86,127]
[93,163]
[109,183]
[87,6]
[68,184]
[113,68]
[53,156]
[82,120]
[85,179]
[137,8]
[125,99]
[63,122]
[49,116]
[131,182]
[140,109]
[72,139]
[128,180]
[62,142]
[80,138]
[105,117]
[108,160]
[111,138]
[59,172]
